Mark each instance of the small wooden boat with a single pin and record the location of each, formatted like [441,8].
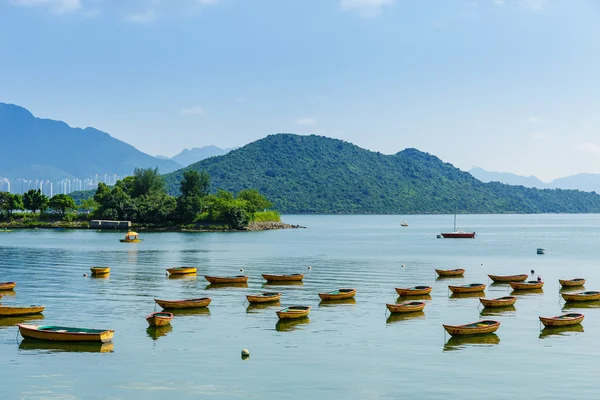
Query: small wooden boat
[131,237]
[470,288]
[7,285]
[571,282]
[450,272]
[541,250]
[406,307]
[404,223]
[581,296]
[182,270]
[475,328]
[265,297]
[161,318]
[20,310]
[529,285]
[293,312]
[184,303]
[226,279]
[100,270]
[65,334]
[414,291]
[499,302]
[283,278]
[562,320]
[343,293]
[508,278]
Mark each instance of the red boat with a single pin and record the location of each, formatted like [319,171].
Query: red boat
[458,234]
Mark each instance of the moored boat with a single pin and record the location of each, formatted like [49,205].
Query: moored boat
[100,270]
[571,282]
[293,312]
[15,310]
[590,295]
[499,302]
[450,272]
[283,278]
[226,279]
[404,223]
[161,318]
[469,288]
[339,294]
[7,285]
[475,328]
[529,285]
[414,291]
[184,303]
[508,278]
[264,297]
[562,320]
[131,237]
[182,270]
[406,306]
[65,334]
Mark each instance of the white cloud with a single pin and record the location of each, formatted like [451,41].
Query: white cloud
[367,8]
[57,6]
[195,110]
[533,120]
[142,18]
[305,121]
[588,147]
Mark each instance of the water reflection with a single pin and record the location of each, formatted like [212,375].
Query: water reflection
[497,310]
[282,283]
[400,299]
[291,324]
[225,285]
[449,278]
[156,332]
[574,305]
[398,317]
[462,342]
[7,293]
[499,284]
[571,289]
[560,330]
[100,276]
[202,311]
[331,303]
[521,292]
[13,321]
[85,347]
[185,277]
[261,306]
[467,295]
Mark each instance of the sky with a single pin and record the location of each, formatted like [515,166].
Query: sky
[505,85]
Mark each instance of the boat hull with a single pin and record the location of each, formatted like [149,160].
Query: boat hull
[181,270]
[184,303]
[526,285]
[562,320]
[291,313]
[467,289]
[129,240]
[450,272]
[283,278]
[7,285]
[499,302]
[458,235]
[263,298]
[20,310]
[476,328]
[226,279]
[100,270]
[414,291]
[509,278]
[571,282]
[406,307]
[338,294]
[581,296]
[159,319]
[64,334]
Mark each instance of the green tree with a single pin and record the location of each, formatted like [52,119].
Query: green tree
[35,200]
[147,181]
[101,193]
[10,202]
[62,203]
[89,205]
[195,183]
[255,201]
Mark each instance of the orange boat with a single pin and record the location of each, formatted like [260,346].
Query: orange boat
[283,278]
[476,328]
[264,297]
[293,312]
[470,288]
[499,302]
[406,307]
[159,318]
[590,295]
[562,320]
[414,291]
[184,303]
[181,270]
[529,285]
[226,279]
[450,272]
[571,282]
[7,285]
[339,294]
[508,278]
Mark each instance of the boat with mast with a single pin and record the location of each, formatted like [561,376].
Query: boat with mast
[457,234]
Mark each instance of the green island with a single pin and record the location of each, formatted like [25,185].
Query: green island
[143,200]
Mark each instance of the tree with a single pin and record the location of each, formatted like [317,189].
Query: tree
[35,200]
[101,193]
[195,183]
[10,202]
[62,203]
[147,181]
[255,201]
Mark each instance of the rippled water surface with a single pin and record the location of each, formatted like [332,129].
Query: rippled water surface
[352,350]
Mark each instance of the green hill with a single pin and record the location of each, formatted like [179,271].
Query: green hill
[315,174]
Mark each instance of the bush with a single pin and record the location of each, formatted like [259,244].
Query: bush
[266,216]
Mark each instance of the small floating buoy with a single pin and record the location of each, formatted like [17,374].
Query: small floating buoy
[532,272]
[241,269]
[245,353]
[402,265]
[84,275]
[482,264]
[167,273]
[309,267]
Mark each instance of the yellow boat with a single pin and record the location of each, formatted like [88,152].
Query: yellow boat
[508,278]
[475,328]
[20,310]
[184,303]
[265,297]
[131,237]
[499,302]
[100,270]
[293,312]
[414,291]
[470,288]
[283,278]
[571,282]
[581,296]
[450,272]
[65,334]
[159,318]
[7,285]
[406,307]
[343,293]
[181,270]
[529,285]
[226,279]
[562,320]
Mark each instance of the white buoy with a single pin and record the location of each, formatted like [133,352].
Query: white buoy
[84,275]
[242,269]
[402,265]
[245,353]
[309,267]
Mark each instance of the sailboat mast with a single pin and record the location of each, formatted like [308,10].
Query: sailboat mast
[454,222]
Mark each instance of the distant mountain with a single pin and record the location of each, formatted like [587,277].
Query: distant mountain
[35,148]
[585,182]
[162,157]
[315,174]
[507,177]
[195,154]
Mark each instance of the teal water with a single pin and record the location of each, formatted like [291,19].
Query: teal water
[353,350]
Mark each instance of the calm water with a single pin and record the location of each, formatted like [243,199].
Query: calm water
[353,350]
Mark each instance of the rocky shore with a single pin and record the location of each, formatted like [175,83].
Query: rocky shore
[266,226]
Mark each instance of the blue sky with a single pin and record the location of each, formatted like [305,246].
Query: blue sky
[506,85]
